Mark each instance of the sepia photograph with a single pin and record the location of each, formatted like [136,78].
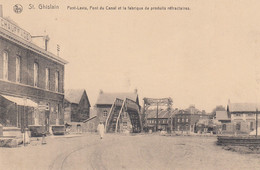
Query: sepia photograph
[129,84]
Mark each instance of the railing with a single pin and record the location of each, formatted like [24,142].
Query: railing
[117,102]
[108,116]
[121,110]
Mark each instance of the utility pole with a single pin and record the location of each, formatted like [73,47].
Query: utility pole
[157,118]
[256,124]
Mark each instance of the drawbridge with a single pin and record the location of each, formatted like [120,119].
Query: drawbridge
[124,116]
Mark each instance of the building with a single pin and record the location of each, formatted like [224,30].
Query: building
[31,80]
[186,120]
[119,111]
[77,105]
[225,122]
[163,119]
[243,117]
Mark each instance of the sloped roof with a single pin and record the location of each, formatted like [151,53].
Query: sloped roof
[243,107]
[109,98]
[222,115]
[74,95]
[27,44]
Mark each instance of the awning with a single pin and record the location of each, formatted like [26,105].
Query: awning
[21,101]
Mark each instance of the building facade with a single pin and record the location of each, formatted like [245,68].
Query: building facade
[31,80]
[186,120]
[77,105]
[165,119]
[243,117]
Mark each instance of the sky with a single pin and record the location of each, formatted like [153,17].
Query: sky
[204,56]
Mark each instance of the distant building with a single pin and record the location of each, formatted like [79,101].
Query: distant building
[31,80]
[77,105]
[186,120]
[163,119]
[225,121]
[243,116]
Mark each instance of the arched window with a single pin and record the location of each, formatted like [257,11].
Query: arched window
[57,77]
[224,127]
[47,78]
[35,74]
[18,69]
[5,66]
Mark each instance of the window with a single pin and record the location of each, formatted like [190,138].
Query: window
[56,81]
[47,78]
[250,114]
[183,120]
[251,126]
[187,127]
[238,126]
[36,74]
[238,114]
[187,120]
[5,66]
[59,110]
[178,120]
[47,106]
[224,127]
[105,113]
[18,69]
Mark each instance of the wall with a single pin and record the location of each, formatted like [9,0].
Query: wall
[25,88]
[100,112]
[28,58]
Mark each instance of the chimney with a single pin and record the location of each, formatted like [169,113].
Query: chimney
[101,91]
[1,11]
[46,40]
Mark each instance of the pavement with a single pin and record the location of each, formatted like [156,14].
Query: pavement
[115,151]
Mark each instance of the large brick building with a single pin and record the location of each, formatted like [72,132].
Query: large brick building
[186,120]
[31,80]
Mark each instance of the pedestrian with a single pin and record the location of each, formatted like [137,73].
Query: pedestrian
[78,128]
[101,129]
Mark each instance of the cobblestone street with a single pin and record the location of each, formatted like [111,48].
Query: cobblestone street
[125,152]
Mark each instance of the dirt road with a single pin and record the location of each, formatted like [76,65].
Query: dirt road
[126,152]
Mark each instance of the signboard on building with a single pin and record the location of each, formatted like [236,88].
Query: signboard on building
[10,27]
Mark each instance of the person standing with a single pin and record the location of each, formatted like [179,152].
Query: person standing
[101,129]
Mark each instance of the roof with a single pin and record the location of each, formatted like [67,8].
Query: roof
[161,114]
[27,44]
[74,95]
[21,101]
[222,115]
[243,107]
[109,98]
